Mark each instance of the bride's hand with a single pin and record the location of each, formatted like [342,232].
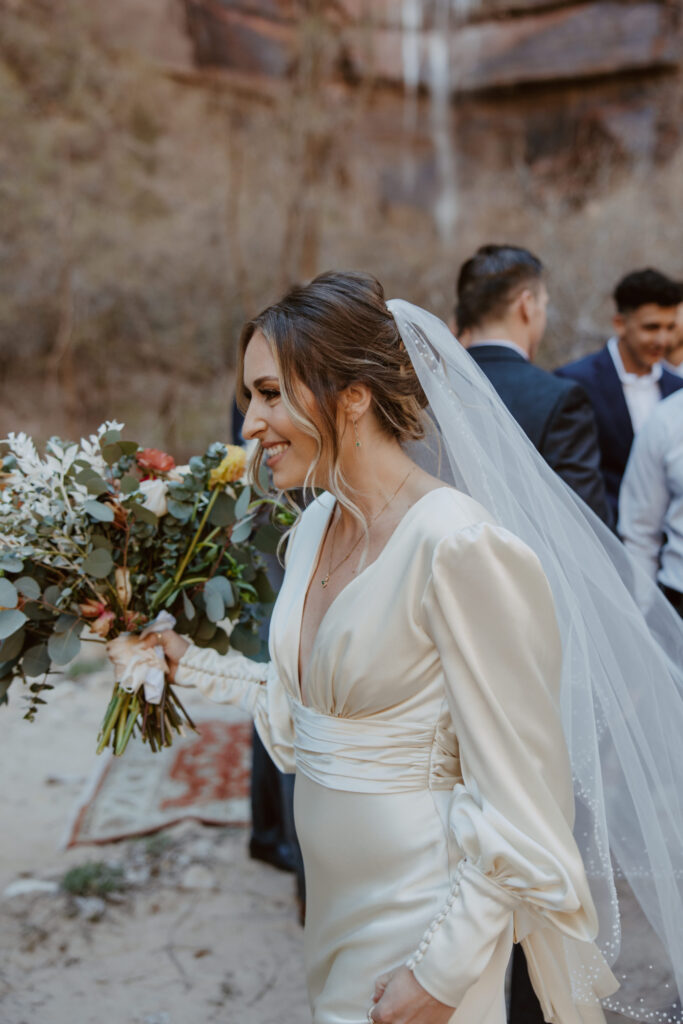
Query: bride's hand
[400,999]
[174,647]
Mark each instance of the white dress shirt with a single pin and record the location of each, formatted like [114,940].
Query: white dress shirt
[651,496]
[641,393]
[672,368]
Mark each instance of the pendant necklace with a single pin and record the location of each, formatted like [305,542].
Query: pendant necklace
[330,570]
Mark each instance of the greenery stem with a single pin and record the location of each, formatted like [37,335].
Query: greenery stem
[193,543]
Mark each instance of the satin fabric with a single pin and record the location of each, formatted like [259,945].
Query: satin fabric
[433,800]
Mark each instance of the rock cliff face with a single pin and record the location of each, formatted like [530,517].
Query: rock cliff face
[561,89]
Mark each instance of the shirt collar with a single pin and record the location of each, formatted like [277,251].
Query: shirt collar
[501,343]
[642,380]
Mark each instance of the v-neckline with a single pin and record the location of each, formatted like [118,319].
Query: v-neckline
[317,551]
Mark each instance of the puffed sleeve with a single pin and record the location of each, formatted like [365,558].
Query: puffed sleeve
[253,686]
[489,611]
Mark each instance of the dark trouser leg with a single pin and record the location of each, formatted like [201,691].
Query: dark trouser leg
[524,1006]
[269,841]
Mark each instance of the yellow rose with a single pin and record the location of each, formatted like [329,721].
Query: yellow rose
[231,468]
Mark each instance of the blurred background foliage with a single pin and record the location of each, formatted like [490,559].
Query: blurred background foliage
[157,188]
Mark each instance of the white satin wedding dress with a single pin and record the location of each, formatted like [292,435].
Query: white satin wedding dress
[434,800]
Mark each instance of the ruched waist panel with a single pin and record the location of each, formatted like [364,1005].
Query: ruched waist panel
[373,756]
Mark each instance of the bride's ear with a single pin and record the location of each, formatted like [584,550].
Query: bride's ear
[355,400]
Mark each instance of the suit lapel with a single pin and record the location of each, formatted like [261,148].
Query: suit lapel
[613,392]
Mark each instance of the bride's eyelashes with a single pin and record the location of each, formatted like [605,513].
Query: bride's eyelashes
[268,394]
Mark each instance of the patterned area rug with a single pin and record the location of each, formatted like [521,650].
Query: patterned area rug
[204,775]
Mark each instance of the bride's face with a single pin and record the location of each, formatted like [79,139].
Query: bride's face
[288,450]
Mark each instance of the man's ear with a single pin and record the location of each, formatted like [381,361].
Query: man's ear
[526,304]
[619,324]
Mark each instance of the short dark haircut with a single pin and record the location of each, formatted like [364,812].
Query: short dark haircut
[490,280]
[644,287]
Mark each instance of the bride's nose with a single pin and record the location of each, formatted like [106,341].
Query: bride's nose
[253,425]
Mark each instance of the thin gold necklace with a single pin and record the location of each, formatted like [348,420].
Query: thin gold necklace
[326,579]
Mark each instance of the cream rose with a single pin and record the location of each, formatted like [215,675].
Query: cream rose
[155,496]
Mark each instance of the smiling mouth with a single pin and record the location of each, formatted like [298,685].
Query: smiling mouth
[274,450]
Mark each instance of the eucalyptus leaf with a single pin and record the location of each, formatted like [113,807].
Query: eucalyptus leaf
[52,595]
[11,563]
[10,621]
[244,640]
[222,586]
[223,511]
[242,530]
[206,630]
[264,477]
[102,513]
[12,646]
[220,642]
[29,587]
[242,503]
[129,484]
[37,612]
[215,608]
[143,514]
[179,510]
[267,538]
[188,607]
[63,647]
[98,540]
[264,590]
[111,453]
[65,622]
[98,563]
[9,598]
[96,485]
[128,447]
[110,437]
[36,660]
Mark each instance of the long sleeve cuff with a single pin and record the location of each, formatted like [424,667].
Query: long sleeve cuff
[224,678]
[475,914]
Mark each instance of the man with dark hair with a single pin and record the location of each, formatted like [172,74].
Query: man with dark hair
[625,380]
[501,316]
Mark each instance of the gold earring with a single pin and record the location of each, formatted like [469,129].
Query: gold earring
[355,430]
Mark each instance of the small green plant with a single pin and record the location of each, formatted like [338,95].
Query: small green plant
[94,879]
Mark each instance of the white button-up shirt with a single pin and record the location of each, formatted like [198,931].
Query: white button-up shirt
[651,496]
[641,393]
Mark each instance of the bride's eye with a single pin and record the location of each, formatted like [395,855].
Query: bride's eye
[269,395]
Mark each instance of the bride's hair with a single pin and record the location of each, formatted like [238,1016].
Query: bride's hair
[329,334]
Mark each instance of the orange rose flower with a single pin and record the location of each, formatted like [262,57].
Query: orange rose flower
[155,461]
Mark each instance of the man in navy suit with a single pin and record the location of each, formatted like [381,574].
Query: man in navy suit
[501,317]
[626,379]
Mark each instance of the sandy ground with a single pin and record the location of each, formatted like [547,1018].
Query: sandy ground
[199,934]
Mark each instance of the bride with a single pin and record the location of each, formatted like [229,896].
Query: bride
[417,683]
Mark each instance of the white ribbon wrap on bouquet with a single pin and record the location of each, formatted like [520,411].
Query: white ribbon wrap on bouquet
[138,666]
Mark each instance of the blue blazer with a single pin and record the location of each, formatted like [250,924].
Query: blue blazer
[598,376]
[555,415]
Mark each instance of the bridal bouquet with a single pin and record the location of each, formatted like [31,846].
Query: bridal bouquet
[113,536]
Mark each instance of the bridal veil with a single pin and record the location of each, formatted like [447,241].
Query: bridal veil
[622,683]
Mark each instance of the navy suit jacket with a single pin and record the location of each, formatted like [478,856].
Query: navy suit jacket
[598,376]
[555,415]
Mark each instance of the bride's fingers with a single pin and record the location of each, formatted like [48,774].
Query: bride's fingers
[380,985]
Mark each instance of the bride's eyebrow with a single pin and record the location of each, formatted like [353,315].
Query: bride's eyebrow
[261,381]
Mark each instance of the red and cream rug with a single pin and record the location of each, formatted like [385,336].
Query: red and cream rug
[204,775]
